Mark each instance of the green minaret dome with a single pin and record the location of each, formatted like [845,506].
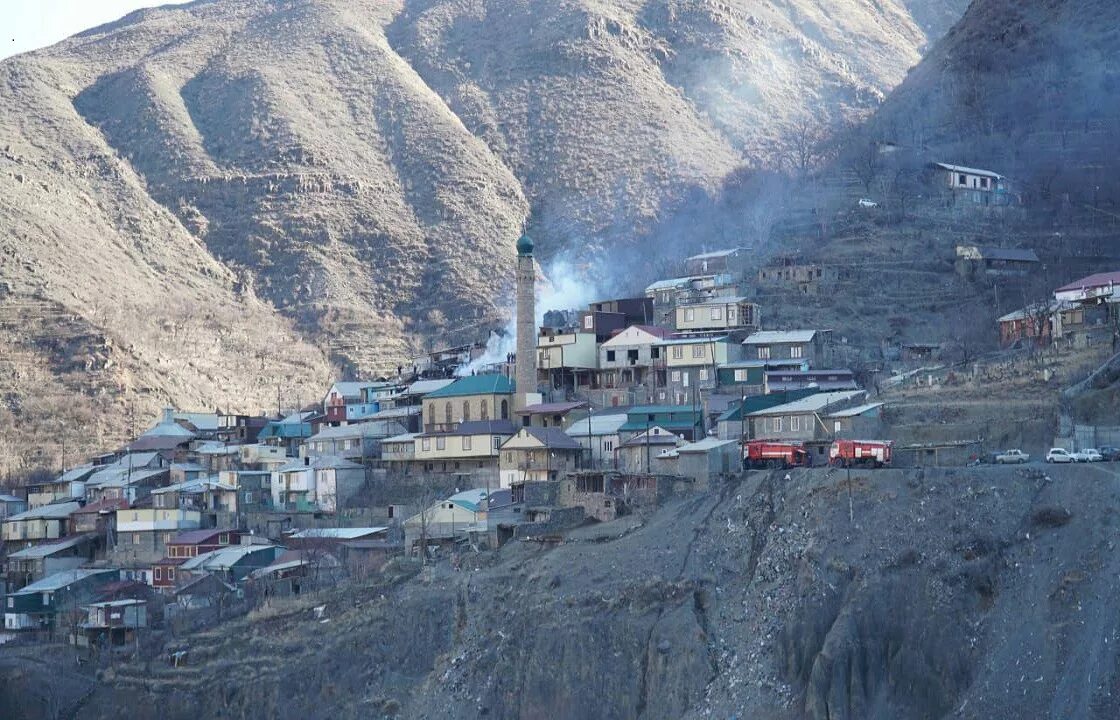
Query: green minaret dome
[524,246]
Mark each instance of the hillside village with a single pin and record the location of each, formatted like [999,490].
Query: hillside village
[637,400]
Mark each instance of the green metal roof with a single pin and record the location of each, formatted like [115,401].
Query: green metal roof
[765,402]
[662,409]
[494,384]
[643,425]
[285,430]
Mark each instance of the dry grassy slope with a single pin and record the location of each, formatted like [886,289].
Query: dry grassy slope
[668,95]
[222,190]
[1031,88]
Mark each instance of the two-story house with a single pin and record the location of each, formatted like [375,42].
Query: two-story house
[628,358]
[537,454]
[566,359]
[813,347]
[687,366]
[320,484]
[344,398]
[49,522]
[70,485]
[732,261]
[468,451]
[186,545]
[11,505]
[686,421]
[477,397]
[806,419]
[545,415]
[719,314]
[143,532]
[34,563]
[598,434]
[37,605]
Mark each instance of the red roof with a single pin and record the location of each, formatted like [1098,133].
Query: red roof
[172,561]
[104,505]
[1092,281]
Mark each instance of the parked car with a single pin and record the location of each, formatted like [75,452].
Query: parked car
[1011,457]
[1110,454]
[1088,455]
[1060,455]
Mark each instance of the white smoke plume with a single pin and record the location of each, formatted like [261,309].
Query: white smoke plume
[561,287]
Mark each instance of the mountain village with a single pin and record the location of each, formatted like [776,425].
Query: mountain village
[602,412]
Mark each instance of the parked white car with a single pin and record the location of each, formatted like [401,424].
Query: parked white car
[1012,457]
[1088,455]
[1060,455]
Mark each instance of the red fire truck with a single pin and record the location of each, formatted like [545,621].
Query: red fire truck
[774,454]
[866,453]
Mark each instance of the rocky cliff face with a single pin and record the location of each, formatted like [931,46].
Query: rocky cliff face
[235,195]
[919,594]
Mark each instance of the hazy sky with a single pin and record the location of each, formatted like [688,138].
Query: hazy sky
[30,24]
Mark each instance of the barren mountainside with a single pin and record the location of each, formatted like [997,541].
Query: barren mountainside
[217,203]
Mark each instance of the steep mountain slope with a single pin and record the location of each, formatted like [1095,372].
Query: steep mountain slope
[1029,88]
[323,184]
[924,594]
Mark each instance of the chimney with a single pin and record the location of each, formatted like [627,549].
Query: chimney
[168,415]
[525,372]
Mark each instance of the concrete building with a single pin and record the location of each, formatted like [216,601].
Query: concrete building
[813,347]
[689,365]
[565,359]
[599,433]
[537,454]
[468,451]
[718,314]
[477,397]
[806,419]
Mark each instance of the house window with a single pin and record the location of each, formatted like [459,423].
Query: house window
[717,313]
[505,410]
[703,374]
[678,352]
[685,378]
[962,180]
[223,539]
[797,351]
[441,443]
[485,410]
[466,411]
[171,574]
[166,538]
[432,414]
[159,574]
[777,424]
[135,538]
[731,313]
[676,376]
[425,444]
[836,427]
[698,351]
[608,445]
[447,413]
[795,423]
[497,443]
[984,183]
[655,353]
[589,322]
[248,498]
[763,352]
[466,442]
[689,315]
[740,376]
[610,355]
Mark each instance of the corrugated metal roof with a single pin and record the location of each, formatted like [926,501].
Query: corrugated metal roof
[706,445]
[337,533]
[1097,280]
[36,552]
[46,512]
[812,403]
[774,337]
[600,425]
[691,341]
[423,387]
[715,254]
[551,437]
[225,557]
[856,411]
[493,384]
[968,170]
[60,580]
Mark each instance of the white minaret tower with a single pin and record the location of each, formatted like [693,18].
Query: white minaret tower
[525,374]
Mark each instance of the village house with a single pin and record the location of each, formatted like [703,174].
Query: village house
[477,397]
[919,352]
[730,424]
[398,453]
[1035,323]
[791,271]
[776,381]
[321,484]
[360,441]
[566,359]
[448,520]
[253,487]
[112,623]
[49,522]
[129,477]
[719,314]
[469,451]
[182,472]
[686,421]
[537,454]
[604,319]
[214,456]
[544,415]
[1095,316]
[732,261]
[961,184]
[70,485]
[598,435]
[814,347]
[240,429]
[11,505]
[186,545]
[704,461]
[287,433]
[690,365]
[668,294]
[344,400]
[295,571]
[39,561]
[628,358]
[637,454]
[261,457]
[36,606]
[99,518]
[748,377]
[143,532]
[230,564]
[818,419]
[977,261]
[168,437]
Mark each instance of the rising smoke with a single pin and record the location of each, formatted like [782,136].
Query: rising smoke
[561,287]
